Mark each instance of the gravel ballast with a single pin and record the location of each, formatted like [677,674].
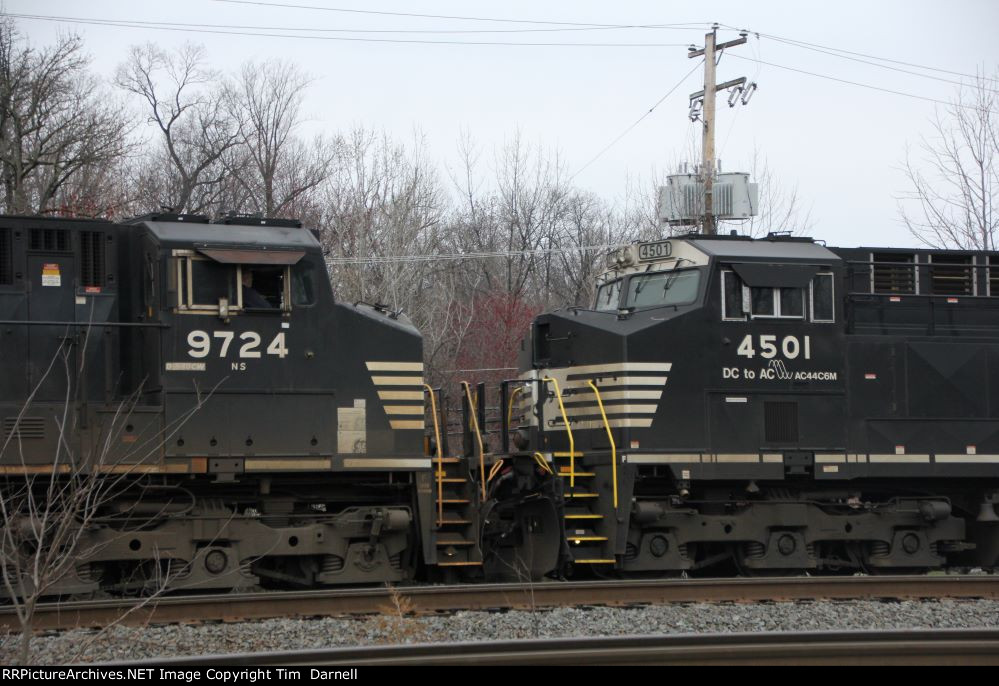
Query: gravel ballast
[131,643]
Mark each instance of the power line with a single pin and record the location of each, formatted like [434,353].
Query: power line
[483,369]
[637,122]
[326,30]
[873,64]
[804,44]
[453,257]
[857,83]
[440,16]
[875,57]
[201,28]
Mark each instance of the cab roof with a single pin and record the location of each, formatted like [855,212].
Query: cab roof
[766,250]
[180,234]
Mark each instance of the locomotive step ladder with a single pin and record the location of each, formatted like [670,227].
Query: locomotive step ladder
[588,529]
[455,530]
[589,514]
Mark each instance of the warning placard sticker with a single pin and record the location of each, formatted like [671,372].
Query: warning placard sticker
[50,274]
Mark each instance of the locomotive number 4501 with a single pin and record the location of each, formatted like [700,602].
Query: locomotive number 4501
[654,251]
[201,344]
[790,347]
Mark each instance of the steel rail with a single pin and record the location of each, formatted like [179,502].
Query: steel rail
[431,599]
[903,647]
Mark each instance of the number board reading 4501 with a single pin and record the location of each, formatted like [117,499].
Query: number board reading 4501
[654,251]
[248,344]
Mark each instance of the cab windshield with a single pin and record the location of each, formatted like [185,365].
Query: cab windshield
[608,296]
[678,287]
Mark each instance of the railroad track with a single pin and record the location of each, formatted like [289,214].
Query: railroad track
[429,599]
[910,647]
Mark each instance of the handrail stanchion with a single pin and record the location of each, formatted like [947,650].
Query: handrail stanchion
[440,456]
[610,437]
[568,430]
[509,415]
[543,463]
[478,436]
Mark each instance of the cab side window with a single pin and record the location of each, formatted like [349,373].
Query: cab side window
[303,284]
[205,285]
[823,298]
[732,297]
[263,287]
[202,284]
[741,302]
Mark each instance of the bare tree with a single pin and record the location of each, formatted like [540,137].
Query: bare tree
[640,211]
[588,223]
[954,185]
[781,208]
[266,103]
[58,516]
[520,213]
[105,190]
[383,212]
[55,120]
[185,102]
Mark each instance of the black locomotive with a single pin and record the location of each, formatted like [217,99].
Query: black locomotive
[258,430]
[767,405]
[773,405]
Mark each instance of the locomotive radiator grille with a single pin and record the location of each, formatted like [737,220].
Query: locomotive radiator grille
[781,421]
[955,277]
[6,258]
[893,273]
[56,240]
[91,259]
[27,428]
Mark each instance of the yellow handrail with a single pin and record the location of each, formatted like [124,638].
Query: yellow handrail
[478,436]
[509,414]
[543,463]
[495,469]
[440,457]
[568,430]
[610,437]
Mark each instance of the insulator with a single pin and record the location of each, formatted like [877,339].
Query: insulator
[695,110]
[733,95]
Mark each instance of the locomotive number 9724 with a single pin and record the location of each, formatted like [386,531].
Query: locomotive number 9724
[201,344]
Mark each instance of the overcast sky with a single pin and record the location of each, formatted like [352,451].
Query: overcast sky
[841,144]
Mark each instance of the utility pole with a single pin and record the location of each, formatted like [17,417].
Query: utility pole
[712,51]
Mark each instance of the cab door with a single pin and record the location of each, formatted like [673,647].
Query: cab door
[51,293]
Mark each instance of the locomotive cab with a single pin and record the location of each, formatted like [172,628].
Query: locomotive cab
[265,433]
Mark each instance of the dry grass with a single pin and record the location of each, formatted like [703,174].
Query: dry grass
[397,622]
